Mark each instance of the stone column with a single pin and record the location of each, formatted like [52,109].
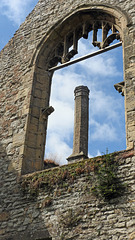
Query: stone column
[81,120]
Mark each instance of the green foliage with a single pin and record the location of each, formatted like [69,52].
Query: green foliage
[100,171]
[108,184]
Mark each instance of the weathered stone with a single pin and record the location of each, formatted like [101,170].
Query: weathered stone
[4,216]
[80,143]
[132,236]
[25,84]
[131,223]
[24,64]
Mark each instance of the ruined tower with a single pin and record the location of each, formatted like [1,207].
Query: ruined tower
[81,120]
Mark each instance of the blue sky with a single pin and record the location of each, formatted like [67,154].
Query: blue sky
[107,120]
[12,14]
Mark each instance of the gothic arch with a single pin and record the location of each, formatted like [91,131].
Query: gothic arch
[53,48]
[55,34]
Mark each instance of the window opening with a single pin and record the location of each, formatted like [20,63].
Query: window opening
[107,121]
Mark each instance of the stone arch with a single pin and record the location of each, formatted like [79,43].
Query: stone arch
[53,49]
[122,21]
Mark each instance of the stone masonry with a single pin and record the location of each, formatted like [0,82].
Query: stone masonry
[43,40]
[70,210]
[81,121]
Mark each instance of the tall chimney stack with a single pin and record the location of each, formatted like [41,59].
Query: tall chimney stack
[81,120]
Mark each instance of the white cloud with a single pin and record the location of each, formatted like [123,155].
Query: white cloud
[103,132]
[16,10]
[101,65]
[98,153]
[62,99]
[64,83]
[104,105]
[62,118]
[57,149]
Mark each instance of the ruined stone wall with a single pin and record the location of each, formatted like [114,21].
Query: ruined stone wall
[25,81]
[25,85]
[68,209]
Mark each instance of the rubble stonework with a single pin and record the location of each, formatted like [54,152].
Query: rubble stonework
[68,210]
[47,33]
[25,84]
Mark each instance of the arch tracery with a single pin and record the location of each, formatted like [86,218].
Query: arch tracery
[88,21]
[68,31]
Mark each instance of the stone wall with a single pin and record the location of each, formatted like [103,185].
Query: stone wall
[26,82]
[68,209]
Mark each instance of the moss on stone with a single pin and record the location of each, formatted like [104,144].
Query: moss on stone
[100,173]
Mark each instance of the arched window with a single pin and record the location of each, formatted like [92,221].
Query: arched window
[59,46]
